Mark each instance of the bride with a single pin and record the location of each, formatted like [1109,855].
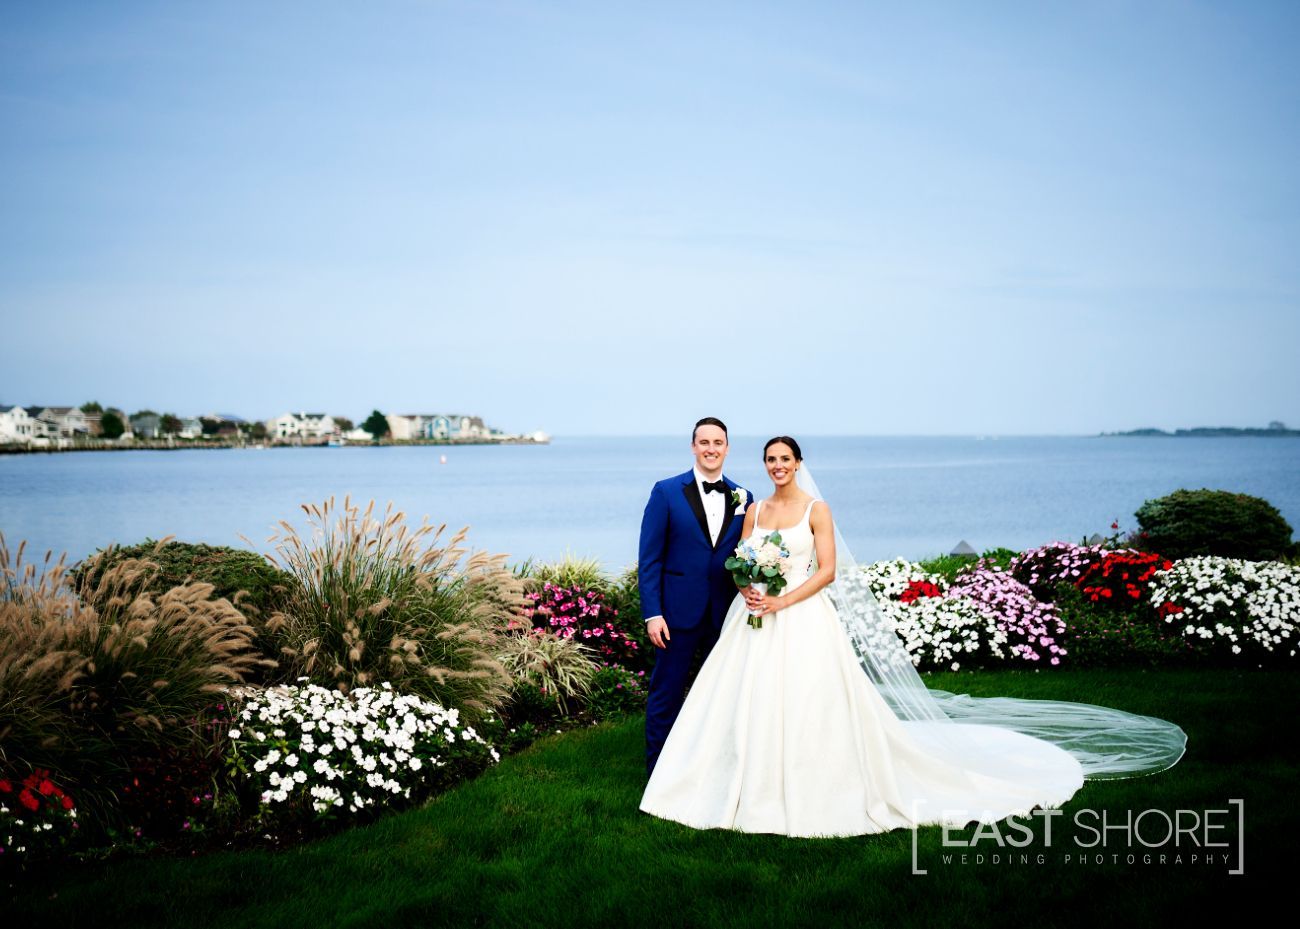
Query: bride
[816,723]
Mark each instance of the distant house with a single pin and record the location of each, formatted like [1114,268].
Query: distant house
[15,424]
[437,426]
[148,426]
[68,421]
[302,426]
[44,424]
[191,428]
[402,426]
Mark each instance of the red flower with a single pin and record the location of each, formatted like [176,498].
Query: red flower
[28,799]
[1115,525]
[6,786]
[67,802]
[918,589]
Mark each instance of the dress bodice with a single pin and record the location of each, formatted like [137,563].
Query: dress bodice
[798,539]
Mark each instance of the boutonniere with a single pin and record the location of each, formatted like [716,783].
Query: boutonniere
[738,497]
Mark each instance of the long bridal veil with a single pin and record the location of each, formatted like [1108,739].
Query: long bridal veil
[1108,743]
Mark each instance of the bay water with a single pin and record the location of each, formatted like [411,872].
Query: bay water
[909,496]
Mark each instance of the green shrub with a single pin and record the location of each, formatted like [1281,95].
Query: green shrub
[624,595]
[528,706]
[950,567]
[372,601]
[615,692]
[1187,523]
[1099,635]
[243,577]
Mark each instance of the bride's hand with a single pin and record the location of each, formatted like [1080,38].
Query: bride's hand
[763,604]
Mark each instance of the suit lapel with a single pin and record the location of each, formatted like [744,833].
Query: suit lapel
[691,490]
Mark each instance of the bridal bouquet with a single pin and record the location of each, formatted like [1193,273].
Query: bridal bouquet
[763,566]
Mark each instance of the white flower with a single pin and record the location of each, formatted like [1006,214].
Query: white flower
[768,555]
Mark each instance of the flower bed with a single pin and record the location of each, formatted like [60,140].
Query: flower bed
[1231,607]
[985,616]
[582,612]
[37,818]
[310,751]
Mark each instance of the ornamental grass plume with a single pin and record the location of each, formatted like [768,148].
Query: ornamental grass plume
[570,571]
[561,666]
[374,601]
[97,676]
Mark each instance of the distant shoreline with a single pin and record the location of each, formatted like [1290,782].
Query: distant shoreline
[1206,431]
[162,446]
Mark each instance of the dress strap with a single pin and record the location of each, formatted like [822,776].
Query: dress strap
[808,512]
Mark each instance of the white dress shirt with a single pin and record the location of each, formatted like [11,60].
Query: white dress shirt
[715,505]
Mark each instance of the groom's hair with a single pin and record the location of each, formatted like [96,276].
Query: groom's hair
[709,421]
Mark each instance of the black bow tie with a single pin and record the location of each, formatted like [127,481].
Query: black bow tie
[719,486]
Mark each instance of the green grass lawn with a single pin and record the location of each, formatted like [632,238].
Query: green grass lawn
[553,836]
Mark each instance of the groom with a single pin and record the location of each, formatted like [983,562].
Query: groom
[691,526]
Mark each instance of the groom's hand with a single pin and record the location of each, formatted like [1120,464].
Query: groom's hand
[657,629]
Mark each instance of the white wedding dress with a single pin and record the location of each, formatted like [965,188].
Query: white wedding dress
[782,732]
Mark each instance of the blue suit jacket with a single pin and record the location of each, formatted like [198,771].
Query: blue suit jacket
[680,572]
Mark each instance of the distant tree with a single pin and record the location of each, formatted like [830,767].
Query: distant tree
[112,426]
[170,424]
[376,424]
[258,431]
[344,424]
[92,407]
[140,413]
[1275,424]
[210,426]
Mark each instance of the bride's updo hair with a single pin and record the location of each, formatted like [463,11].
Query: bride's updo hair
[784,440]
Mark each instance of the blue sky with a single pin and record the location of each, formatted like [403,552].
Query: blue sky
[908,218]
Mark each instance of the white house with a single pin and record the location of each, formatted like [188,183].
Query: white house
[68,421]
[15,424]
[147,425]
[191,428]
[301,426]
[403,426]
